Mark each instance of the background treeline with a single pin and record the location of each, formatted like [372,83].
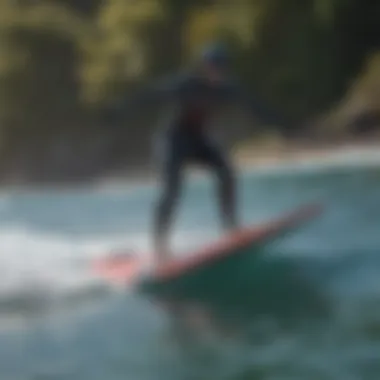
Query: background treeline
[63,61]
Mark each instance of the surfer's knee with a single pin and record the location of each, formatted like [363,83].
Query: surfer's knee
[221,164]
[170,190]
[225,172]
[171,176]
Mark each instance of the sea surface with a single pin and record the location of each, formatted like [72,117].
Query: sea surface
[59,321]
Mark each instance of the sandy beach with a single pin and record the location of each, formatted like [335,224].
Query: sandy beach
[247,158]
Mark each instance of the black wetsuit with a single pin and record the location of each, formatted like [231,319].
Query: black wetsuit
[185,140]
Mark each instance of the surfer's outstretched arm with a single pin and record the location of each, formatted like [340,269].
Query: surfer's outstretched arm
[155,92]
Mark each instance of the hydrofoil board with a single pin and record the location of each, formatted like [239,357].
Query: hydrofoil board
[132,269]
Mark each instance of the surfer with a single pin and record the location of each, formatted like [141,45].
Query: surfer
[186,140]
[194,95]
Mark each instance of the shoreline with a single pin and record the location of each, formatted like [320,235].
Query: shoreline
[284,156]
[287,157]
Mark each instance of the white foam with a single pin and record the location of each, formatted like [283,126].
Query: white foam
[38,271]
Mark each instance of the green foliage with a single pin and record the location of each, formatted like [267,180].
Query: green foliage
[37,70]
[115,51]
[58,58]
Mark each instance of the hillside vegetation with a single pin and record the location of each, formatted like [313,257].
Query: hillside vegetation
[62,62]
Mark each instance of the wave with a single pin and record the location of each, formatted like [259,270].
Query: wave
[41,273]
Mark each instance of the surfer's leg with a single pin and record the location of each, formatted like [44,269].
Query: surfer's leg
[171,180]
[226,191]
[213,156]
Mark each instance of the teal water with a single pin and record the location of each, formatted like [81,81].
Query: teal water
[308,308]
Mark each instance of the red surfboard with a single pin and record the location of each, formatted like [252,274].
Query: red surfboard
[126,267]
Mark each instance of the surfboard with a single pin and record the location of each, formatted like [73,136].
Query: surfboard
[130,268]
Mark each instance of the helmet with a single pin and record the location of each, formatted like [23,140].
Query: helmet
[215,54]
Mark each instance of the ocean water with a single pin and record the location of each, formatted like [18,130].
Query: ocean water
[59,321]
